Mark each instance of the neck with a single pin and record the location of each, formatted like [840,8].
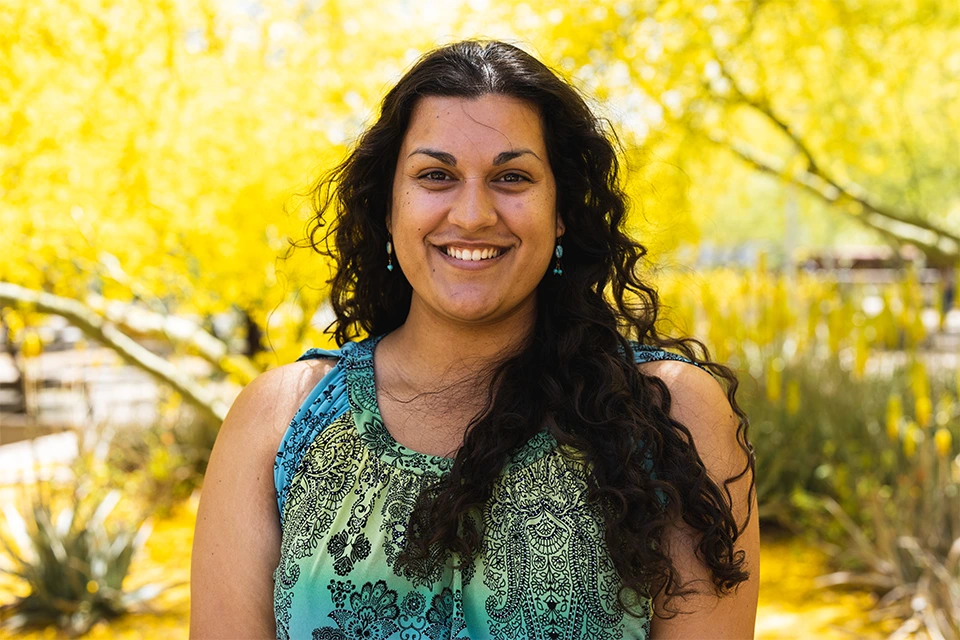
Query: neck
[428,352]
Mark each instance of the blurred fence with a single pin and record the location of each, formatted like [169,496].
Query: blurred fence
[62,390]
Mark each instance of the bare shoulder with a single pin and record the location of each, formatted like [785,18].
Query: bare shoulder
[688,384]
[267,405]
[699,402]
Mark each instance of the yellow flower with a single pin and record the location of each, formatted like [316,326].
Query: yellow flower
[793,398]
[31,346]
[15,322]
[924,410]
[894,415]
[943,441]
[916,329]
[919,382]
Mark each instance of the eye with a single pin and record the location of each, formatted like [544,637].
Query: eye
[434,176]
[513,178]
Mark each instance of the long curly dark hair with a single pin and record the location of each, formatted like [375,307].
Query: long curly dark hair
[576,376]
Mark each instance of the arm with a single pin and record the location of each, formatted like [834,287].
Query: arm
[237,540]
[700,404]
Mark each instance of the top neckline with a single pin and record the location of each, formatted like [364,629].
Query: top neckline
[362,395]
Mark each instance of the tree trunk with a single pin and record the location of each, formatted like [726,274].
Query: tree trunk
[105,332]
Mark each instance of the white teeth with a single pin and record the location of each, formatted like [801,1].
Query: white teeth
[471,255]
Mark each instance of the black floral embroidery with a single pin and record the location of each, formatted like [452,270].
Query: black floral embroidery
[339,591]
[316,494]
[337,547]
[545,560]
[413,603]
[643,353]
[372,612]
[281,609]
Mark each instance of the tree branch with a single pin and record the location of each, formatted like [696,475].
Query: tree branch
[152,319]
[819,181]
[106,332]
[177,330]
[928,238]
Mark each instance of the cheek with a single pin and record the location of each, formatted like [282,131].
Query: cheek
[410,225]
[532,218]
[401,202]
[416,210]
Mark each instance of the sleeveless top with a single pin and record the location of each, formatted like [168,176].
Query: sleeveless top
[346,489]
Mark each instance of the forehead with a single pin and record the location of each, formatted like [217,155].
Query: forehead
[489,124]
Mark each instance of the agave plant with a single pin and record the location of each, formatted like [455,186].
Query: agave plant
[919,578]
[74,564]
[889,497]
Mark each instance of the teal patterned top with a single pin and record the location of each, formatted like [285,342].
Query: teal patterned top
[346,489]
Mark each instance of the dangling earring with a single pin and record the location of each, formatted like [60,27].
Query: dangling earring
[389,256]
[557,268]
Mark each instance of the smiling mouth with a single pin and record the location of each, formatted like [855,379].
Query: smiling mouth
[473,255]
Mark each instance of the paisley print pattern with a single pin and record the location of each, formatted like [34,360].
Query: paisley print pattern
[543,540]
[325,403]
[643,353]
[346,489]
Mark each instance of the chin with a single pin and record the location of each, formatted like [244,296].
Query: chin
[472,313]
[472,305]
[483,310]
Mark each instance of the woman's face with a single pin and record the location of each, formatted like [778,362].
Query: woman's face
[474,209]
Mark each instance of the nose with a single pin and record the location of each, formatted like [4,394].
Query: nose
[474,208]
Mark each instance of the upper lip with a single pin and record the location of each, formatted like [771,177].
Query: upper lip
[461,244]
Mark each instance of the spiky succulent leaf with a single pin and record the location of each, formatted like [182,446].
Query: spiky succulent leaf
[74,566]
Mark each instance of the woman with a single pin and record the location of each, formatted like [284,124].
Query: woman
[498,459]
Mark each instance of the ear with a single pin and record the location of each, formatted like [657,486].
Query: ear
[561,228]
[388,221]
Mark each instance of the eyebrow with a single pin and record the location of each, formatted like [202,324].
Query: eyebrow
[447,158]
[442,156]
[507,156]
